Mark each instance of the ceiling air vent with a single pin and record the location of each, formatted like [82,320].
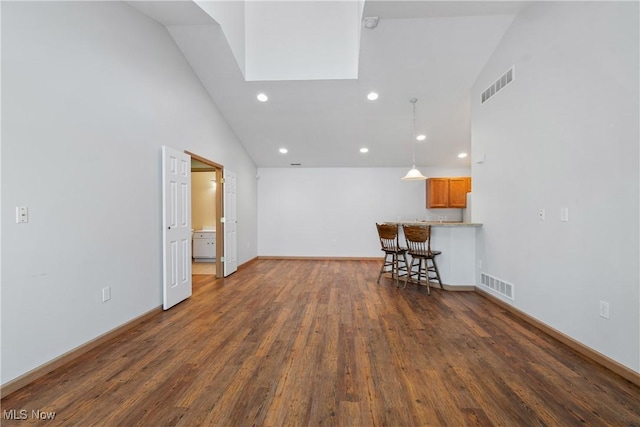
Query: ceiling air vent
[499,84]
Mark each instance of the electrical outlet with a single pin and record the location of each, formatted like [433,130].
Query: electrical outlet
[106,294]
[564,214]
[604,309]
[541,214]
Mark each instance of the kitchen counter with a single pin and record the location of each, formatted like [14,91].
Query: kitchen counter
[437,223]
[457,242]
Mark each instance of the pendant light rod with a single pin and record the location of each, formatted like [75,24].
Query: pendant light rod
[414,174]
[413,141]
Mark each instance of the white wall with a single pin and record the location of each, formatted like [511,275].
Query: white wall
[331,212]
[91,91]
[565,133]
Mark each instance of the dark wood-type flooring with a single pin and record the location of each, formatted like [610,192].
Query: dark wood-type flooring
[297,343]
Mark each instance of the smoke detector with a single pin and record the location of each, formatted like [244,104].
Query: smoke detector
[370,22]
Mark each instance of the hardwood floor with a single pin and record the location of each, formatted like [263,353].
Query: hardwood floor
[295,342]
[203,268]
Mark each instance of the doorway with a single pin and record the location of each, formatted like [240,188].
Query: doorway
[209,224]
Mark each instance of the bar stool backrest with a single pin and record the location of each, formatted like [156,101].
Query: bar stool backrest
[388,234]
[418,239]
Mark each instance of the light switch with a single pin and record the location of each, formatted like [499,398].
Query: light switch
[106,294]
[22,214]
[541,214]
[564,214]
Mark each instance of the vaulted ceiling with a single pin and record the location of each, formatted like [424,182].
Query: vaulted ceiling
[429,50]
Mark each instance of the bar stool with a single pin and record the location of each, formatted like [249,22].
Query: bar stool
[418,238]
[389,241]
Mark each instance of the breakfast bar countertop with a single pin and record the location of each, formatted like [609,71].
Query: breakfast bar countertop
[438,223]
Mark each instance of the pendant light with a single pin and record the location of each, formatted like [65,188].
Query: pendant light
[414,174]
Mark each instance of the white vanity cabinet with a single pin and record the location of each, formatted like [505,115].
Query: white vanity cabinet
[204,245]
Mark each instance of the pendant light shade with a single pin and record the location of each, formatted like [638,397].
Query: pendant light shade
[414,174]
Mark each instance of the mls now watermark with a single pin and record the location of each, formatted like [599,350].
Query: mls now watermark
[23,414]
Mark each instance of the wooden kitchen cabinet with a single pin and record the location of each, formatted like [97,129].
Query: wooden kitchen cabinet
[448,192]
[438,193]
[458,189]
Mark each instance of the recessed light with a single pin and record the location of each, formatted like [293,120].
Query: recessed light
[262,97]
[364,150]
[372,96]
[462,155]
[421,137]
[283,150]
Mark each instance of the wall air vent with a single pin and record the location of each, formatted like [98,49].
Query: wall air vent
[497,285]
[498,85]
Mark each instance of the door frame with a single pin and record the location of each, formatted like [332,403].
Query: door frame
[219,210]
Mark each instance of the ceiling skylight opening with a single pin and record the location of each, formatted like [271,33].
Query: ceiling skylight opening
[364,150]
[283,150]
[372,96]
[421,137]
[262,97]
[462,155]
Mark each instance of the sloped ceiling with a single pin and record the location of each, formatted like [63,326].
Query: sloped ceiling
[432,51]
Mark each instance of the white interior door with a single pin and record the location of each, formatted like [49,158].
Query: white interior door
[176,226]
[230,223]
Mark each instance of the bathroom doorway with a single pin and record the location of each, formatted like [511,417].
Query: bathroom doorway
[206,210]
